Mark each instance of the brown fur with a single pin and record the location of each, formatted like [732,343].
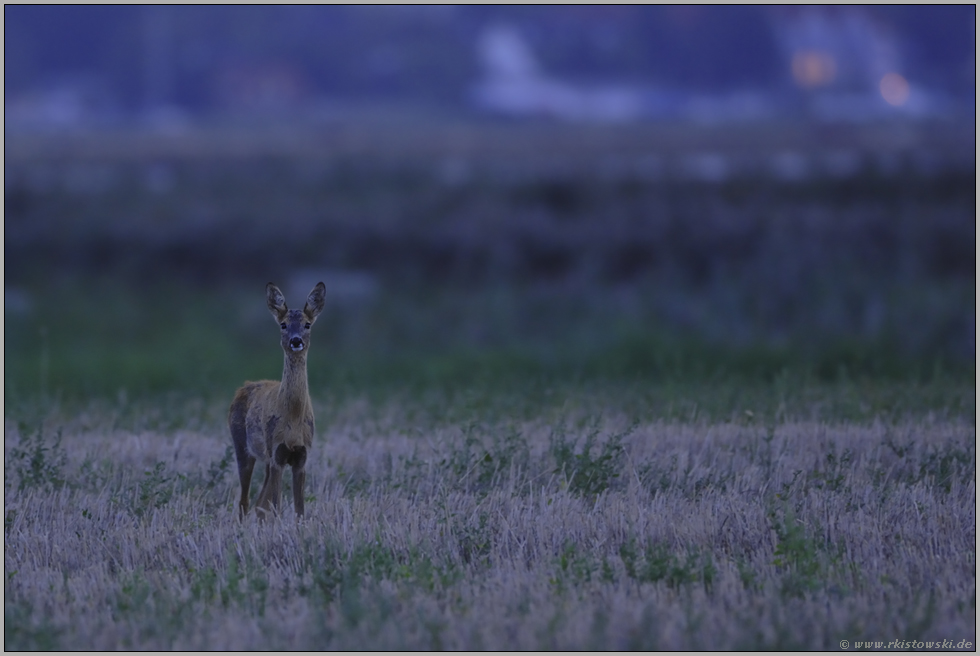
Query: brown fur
[272,421]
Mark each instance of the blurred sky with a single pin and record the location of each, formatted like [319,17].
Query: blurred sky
[73,65]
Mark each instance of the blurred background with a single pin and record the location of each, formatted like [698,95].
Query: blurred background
[628,191]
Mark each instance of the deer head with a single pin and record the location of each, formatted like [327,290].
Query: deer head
[295,325]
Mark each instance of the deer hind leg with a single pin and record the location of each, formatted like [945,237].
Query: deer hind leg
[239,437]
[245,476]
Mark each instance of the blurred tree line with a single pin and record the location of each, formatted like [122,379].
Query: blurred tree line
[728,246]
[191,56]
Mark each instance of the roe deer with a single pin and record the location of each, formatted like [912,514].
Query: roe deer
[272,421]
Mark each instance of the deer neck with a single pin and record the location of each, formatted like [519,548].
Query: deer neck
[294,391]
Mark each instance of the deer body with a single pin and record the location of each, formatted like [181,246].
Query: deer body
[272,421]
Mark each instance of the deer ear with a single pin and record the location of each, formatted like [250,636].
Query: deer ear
[276,302]
[314,304]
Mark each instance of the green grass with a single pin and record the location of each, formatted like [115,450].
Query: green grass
[102,340]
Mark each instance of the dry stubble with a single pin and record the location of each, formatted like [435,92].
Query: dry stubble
[497,535]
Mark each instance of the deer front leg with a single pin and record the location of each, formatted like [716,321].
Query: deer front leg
[295,458]
[299,481]
[272,487]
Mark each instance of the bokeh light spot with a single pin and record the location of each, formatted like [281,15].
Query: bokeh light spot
[894,89]
[813,68]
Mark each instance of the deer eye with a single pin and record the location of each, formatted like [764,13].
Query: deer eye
[308,326]
[283,325]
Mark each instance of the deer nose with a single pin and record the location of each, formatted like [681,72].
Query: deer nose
[296,344]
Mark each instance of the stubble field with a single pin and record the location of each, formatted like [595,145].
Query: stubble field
[463,521]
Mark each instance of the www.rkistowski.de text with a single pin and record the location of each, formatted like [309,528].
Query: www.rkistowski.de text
[907,644]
